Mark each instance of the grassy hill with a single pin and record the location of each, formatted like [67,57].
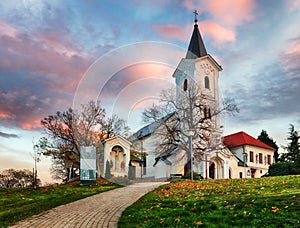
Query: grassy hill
[19,203]
[257,202]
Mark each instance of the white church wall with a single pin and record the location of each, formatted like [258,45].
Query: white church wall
[162,171]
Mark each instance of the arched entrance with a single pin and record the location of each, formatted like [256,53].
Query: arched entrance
[212,168]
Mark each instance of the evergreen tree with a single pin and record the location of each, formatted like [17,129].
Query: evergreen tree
[265,138]
[293,148]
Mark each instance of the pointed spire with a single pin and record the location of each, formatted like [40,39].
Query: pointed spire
[196,47]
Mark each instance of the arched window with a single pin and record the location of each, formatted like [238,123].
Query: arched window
[206,82]
[185,85]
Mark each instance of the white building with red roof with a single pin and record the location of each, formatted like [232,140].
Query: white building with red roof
[254,156]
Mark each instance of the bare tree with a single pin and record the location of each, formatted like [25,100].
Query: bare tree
[66,131]
[191,110]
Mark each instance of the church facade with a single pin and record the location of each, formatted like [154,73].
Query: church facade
[234,156]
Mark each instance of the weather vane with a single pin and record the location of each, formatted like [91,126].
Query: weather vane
[196,14]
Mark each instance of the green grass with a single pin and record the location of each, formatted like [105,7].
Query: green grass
[259,202]
[18,204]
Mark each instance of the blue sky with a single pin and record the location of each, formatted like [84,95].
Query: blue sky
[47,47]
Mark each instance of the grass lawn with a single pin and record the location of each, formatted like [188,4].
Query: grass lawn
[19,203]
[257,202]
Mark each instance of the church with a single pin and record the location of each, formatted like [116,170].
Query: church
[238,155]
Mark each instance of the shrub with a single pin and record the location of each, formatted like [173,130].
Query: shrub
[196,176]
[281,169]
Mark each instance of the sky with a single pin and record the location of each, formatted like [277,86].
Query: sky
[56,54]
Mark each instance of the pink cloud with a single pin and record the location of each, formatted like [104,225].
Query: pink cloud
[54,55]
[217,33]
[171,31]
[229,12]
[224,17]
[290,59]
[294,48]
[189,4]
[7,30]
[32,124]
[232,12]
[53,63]
[6,115]
[292,5]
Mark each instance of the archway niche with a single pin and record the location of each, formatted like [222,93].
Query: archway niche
[118,158]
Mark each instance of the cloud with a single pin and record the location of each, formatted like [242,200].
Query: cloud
[6,115]
[230,13]
[8,135]
[217,33]
[222,17]
[7,30]
[291,58]
[292,5]
[39,73]
[270,95]
[171,31]
[53,54]
[23,109]
[134,81]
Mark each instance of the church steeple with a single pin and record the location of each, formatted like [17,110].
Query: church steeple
[196,47]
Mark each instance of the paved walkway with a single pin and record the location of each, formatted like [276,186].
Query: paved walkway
[101,210]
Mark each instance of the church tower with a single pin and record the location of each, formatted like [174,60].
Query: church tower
[200,68]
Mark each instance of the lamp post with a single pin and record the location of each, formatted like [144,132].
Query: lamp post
[190,135]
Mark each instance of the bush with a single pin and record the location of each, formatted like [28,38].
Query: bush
[283,168]
[196,176]
[295,168]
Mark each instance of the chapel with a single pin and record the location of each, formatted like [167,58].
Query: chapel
[237,155]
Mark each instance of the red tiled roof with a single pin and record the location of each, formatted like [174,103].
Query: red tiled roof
[242,138]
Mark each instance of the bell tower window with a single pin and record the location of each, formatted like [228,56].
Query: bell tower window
[206,82]
[185,85]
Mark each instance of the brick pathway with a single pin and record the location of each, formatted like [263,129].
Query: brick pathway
[101,210]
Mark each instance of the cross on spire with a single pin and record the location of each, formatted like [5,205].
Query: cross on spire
[196,14]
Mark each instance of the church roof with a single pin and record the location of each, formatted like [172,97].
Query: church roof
[196,47]
[163,156]
[150,128]
[241,138]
